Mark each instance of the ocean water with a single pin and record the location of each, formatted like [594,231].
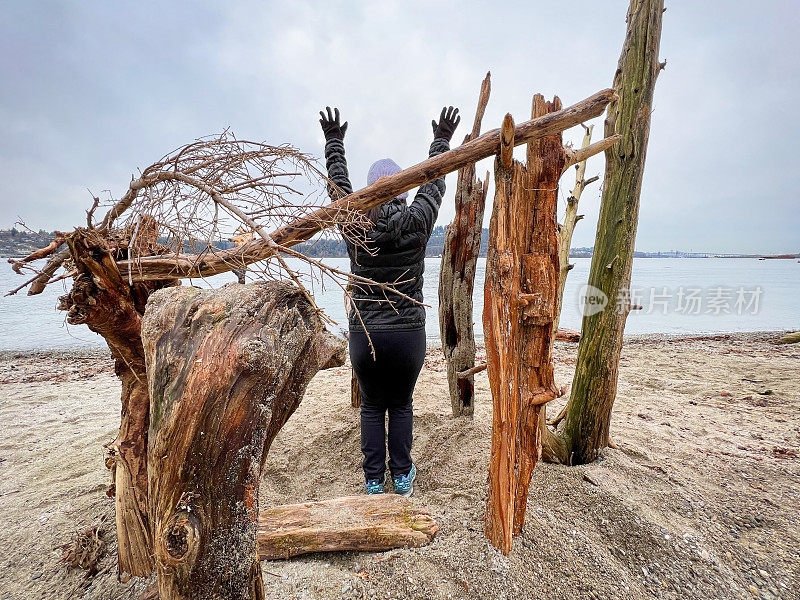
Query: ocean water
[678,296]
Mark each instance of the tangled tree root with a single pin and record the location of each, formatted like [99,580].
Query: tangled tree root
[85,551]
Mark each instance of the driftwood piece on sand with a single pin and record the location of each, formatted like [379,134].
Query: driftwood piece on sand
[462,244]
[226,368]
[790,338]
[519,307]
[568,335]
[358,523]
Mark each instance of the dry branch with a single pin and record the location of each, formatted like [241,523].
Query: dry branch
[51,248]
[571,217]
[587,151]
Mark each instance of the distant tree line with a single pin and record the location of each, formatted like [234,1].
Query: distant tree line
[19,242]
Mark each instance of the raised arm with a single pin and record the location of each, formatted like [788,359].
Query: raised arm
[334,153]
[425,207]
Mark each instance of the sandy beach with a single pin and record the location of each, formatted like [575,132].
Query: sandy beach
[701,500]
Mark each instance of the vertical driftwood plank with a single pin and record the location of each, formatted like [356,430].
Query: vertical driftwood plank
[225,370]
[540,269]
[457,276]
[501,323]
[519,307]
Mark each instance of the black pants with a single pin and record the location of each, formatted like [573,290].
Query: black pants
[387,384]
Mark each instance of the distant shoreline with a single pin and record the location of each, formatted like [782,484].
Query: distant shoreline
[435,344]
[16,244]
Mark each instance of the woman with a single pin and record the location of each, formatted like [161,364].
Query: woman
[396,329]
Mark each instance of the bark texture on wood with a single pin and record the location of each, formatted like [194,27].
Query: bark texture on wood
[355,523]
[180,266]
[103,300]
[594,387]
[226,368]
[462,245]
[519,307]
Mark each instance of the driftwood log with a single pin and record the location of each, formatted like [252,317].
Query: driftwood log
[226,368]
[187,265]
[594,386]
[519,307]
[354,523]
[462,244]
[568,335]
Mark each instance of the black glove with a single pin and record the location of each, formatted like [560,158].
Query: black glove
[448,121]
[330,124]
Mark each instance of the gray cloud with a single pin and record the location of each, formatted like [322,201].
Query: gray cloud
[93,91]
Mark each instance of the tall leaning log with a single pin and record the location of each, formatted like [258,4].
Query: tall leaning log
[225,369]
[462,244]
[594,386]
[519,308]
[188,265]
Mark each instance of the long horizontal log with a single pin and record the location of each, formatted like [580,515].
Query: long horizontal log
[352,523]
[188,265]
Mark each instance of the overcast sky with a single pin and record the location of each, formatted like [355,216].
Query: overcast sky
[91,91]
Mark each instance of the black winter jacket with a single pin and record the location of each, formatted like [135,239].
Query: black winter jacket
[398,242]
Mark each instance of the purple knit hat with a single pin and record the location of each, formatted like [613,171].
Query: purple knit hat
[382,168]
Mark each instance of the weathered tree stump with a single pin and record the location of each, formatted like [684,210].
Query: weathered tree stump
[226,368]
[519,307]
[109,306]
[355,523]
[462,244]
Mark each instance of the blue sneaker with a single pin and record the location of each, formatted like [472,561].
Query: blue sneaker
[375,486]
[404,485]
